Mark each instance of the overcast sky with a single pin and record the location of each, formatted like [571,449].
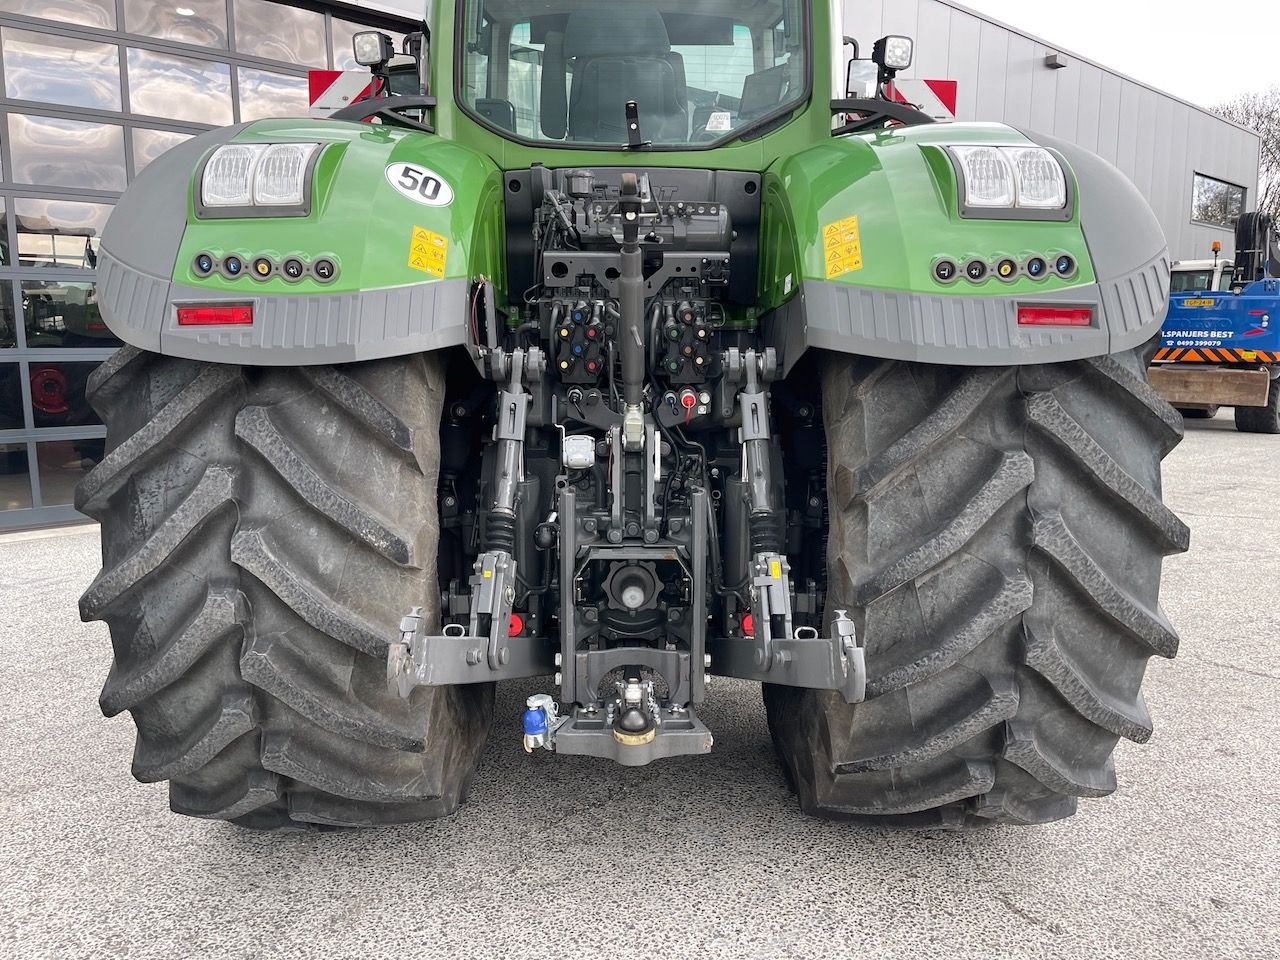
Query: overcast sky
[1201,51]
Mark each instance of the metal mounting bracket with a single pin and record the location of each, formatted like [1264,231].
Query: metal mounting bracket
[418,660]
[804,659]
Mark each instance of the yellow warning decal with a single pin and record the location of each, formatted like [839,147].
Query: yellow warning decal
[428,252]
[842,247]
[775,569]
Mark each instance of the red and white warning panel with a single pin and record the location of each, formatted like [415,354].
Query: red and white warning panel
[937,98]
[331,90]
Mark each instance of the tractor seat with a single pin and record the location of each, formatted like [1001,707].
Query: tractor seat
[623,54]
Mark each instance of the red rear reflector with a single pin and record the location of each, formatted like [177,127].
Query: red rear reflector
[516,625]
[208,316]
[1055,316]
[748,625]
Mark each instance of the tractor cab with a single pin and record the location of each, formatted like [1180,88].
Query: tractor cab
[561,73]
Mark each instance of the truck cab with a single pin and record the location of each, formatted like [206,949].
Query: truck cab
[1220,343]
[1198,276]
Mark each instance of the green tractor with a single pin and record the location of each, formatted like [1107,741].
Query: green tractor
[631,349]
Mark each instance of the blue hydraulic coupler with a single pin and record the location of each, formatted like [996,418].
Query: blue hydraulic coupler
[538,719]
[535,722]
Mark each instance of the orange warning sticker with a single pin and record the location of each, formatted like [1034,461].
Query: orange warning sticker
[842,247]
[428,252]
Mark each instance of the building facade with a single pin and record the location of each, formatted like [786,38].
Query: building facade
[91,91]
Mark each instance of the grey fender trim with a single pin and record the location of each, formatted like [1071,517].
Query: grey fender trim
[968,331]
[299,330]
[146,226]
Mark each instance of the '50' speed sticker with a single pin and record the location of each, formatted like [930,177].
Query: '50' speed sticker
[419,184]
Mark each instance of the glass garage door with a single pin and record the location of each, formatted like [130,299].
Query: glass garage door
[91,91]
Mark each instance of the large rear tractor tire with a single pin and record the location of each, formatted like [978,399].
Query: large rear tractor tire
[997,534]
[1265,419]
[263,531]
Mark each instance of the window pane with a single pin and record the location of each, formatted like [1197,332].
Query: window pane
[524,80]
[719,69]
[63,464]
[78,73]
[15,473]
[343,30]
[91,13]
[57,394]
[265,94]
[66,153]
[1216,202]
[699,78]
[61,313]
[59,233]
[149,144]
[201,22]
[4,235]
[276,32]
[11,397]
[179,87]
[1184,281]
[8,318]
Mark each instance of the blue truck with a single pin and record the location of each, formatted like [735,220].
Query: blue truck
[1220,344]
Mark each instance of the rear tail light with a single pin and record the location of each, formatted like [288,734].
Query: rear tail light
[210,315]
[515,626]
[1055,316]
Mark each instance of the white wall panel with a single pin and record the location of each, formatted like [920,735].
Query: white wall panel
[900,18]
[993,73]
[1066,112]
[1017,96]
[935,46]
[1044,92]
[963,57]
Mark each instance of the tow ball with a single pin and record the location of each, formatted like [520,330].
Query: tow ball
[633,717]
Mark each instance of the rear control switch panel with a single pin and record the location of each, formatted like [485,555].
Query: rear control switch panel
[323,269]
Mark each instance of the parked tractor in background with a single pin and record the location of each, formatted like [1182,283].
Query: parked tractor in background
[627,351]
[1220,344]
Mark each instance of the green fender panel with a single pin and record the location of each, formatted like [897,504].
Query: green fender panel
[854,227]
[401,267]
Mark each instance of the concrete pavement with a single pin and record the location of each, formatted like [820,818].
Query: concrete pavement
[699,857]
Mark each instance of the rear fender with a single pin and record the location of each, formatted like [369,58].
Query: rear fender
[403,257]
[855,227]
